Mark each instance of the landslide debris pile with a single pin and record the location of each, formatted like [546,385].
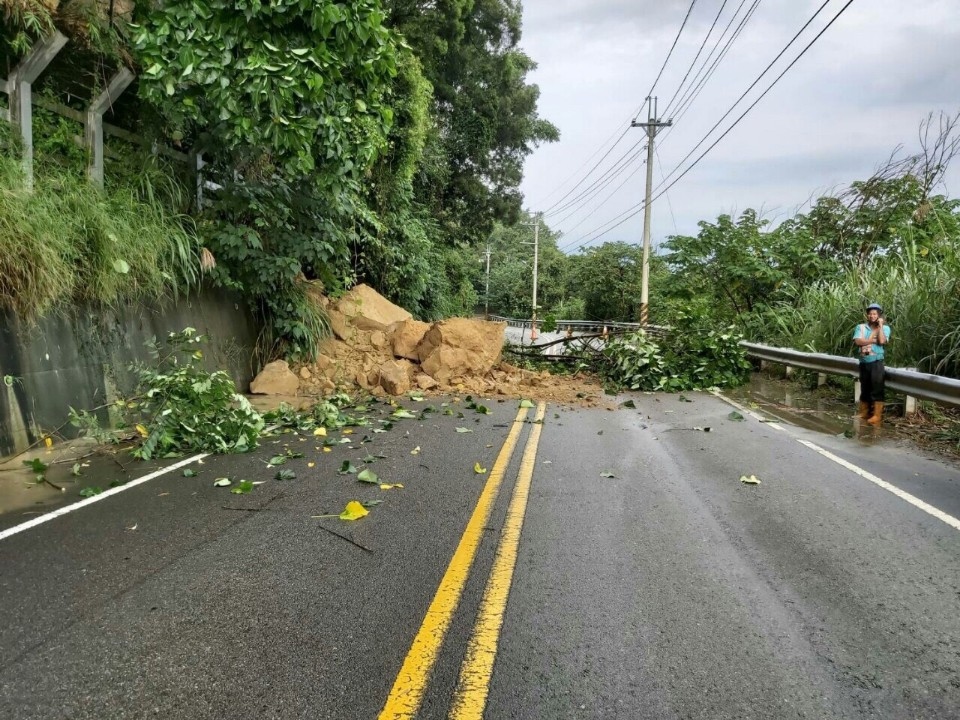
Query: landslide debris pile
[379,347]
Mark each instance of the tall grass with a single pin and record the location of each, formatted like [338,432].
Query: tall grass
[921,301]
[69,242]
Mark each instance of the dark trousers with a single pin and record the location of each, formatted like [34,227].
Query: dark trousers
[871,381]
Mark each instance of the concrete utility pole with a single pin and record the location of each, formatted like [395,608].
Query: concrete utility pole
[486,296]
[652,125]
[536,261]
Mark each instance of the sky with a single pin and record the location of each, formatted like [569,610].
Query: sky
[859,92]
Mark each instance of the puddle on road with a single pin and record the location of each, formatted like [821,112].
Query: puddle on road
[19,491]
[797,405]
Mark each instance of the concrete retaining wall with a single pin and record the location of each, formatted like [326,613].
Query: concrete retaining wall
[81,358]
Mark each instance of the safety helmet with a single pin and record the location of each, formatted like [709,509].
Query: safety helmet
[875,306]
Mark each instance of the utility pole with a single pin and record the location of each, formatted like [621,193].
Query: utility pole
[536,261]
[652,125]
[486,297]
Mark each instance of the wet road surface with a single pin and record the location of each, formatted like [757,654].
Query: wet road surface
[647,580]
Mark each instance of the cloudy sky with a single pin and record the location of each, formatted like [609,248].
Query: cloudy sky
[860,91]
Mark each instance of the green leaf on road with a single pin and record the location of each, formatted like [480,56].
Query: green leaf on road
[525,403]
[463,430]
[368,476]
[76,470]
[91,491]
[628,404]
[735,416]
[222,482]
[369,459]
[749,480]
[403,414]
[607,474]
[278,460]
[347,468]
[285,475]
[243,487]
[189,473]
[684,398]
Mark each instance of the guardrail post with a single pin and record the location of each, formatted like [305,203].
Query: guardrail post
[910,405]
[789,370]
[821,379]
[856,390]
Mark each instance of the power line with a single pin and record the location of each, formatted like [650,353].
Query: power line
[590,171]
[637,209]
[706,70]
[585,163]
[697,56]
[627,129]
[762,95]
[754,83]
[689,98]
[601,182]
[667,59]
[602,203]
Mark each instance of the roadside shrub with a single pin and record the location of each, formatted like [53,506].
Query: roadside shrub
[633,361]
[183,408]
[690,359]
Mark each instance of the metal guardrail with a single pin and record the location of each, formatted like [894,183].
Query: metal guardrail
[597,325]
[915,384]
[574,324]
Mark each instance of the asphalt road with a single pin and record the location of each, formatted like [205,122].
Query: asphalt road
[669,590]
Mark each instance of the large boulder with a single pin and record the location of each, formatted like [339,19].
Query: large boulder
[275,379]
[407,335]
[460,346]
[367,309]
[395,376]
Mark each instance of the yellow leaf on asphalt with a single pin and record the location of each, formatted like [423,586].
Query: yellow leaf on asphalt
[390,486]
[48,442]
[326,449]
[142,430]
[348,432]
[354,511]
[321,431]
[749,480]
[479,470]
[415,451]
[311,464]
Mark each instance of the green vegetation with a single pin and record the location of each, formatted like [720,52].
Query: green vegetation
[68,242]
[892,238]
[351,142]
[689,359]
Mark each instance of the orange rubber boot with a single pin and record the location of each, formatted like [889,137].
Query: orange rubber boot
[864,410]
[877,416]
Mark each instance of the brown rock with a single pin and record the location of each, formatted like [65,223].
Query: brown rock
[338,323]
[275,379]
[305,373]
[460,346]
[394,378]
[407,335]
[322,362]
[367,309]
[378,339]
[425,382]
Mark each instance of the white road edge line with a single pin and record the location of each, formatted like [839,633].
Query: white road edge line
[97,498]
[879,482]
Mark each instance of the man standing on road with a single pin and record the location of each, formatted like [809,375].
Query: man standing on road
[870,338]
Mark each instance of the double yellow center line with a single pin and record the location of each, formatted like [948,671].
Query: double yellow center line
[471,693]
